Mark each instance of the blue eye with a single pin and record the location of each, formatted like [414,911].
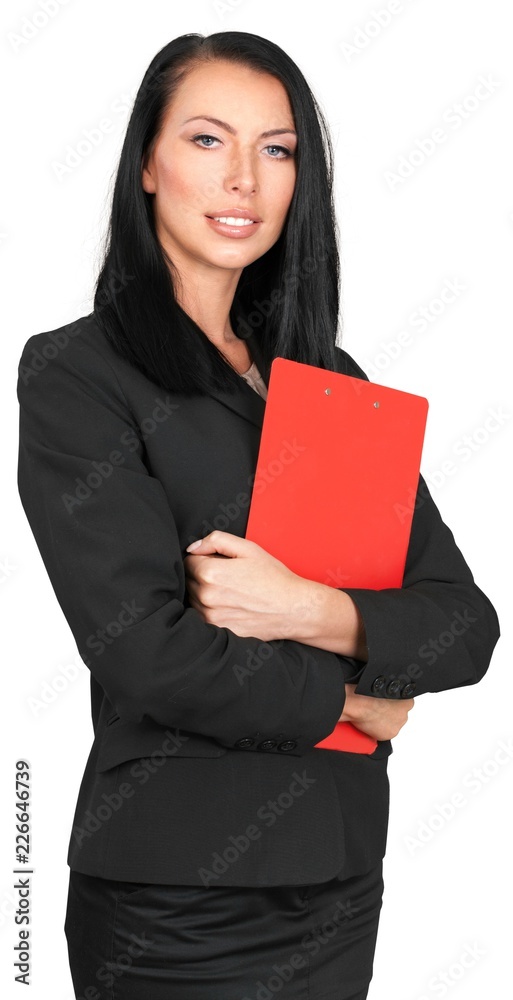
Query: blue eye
[280,152]
[197,138]
[281,149]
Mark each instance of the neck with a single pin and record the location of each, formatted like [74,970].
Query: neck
[206,295]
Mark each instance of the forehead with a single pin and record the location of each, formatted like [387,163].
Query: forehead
[222,88]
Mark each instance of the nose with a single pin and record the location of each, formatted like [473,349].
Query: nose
[241,174]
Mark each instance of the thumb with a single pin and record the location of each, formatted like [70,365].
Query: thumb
[220,541]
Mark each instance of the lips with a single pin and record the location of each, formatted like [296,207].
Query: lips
[234,215]
[234,223]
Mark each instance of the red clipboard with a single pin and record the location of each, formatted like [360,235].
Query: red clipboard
[335,485]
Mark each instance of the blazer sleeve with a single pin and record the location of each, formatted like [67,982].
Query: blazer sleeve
[438,630]
[115,564]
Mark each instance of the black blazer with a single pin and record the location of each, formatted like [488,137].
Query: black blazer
[198,775]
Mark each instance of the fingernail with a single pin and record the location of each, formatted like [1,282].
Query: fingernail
[194,545]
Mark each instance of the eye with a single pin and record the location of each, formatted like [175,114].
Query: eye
[211,138]
[281,149]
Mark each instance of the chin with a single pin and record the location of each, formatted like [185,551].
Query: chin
[236,260]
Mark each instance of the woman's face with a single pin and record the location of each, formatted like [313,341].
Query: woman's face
[226,150]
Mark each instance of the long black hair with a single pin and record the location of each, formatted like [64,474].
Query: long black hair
[289,297]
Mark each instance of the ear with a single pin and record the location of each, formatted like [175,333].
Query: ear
[147,180]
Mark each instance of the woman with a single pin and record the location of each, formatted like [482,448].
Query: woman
[251,863]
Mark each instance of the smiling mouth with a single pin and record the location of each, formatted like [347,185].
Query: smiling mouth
[229,220]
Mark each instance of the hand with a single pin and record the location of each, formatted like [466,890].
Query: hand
[249,591]
[381,718]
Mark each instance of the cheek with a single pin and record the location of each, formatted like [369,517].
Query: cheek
[283,193]
[173,183]
[191,188]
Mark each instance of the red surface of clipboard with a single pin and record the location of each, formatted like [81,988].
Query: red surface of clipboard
[335,485]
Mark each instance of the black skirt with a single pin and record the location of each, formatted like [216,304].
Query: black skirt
[147,941]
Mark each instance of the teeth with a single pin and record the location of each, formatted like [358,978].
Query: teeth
[229,221]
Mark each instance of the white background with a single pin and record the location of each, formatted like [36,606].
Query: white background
[450,220]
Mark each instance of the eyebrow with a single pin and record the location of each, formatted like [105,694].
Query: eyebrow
[229,128]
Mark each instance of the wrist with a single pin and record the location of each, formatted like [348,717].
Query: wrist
[301,610]
[328,618]
[352,705]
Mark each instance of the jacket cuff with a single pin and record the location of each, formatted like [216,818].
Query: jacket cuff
[325,706]
[413,646]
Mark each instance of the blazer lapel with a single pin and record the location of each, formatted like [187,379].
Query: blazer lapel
[246,401]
